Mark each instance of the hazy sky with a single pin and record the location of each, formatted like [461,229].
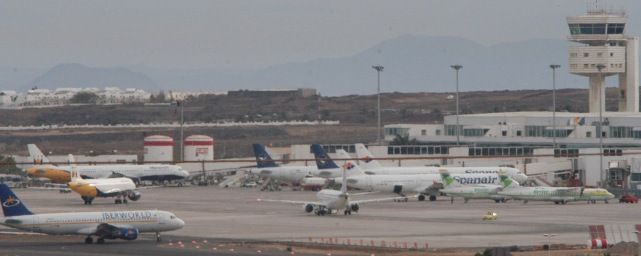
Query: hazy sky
[241,34]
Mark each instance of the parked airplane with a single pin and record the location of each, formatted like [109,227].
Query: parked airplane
[453,188]
[558,195]
[61,174]
[332,201]
[326,167]
[424,184]
[102,225]
[372,166]
[120,188]
[266,167]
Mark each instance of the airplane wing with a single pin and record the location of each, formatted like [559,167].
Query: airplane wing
[379,199]
[113,191]
[290,202]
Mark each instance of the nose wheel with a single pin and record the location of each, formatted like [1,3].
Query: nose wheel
[89,240]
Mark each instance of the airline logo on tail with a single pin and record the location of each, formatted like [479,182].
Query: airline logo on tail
[10,202]
[323,161]
[349,166]
[505,180]
[447,179]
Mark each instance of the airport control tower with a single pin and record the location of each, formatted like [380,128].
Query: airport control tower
[605,46]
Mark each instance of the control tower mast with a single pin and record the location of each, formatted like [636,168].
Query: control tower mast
[604,43]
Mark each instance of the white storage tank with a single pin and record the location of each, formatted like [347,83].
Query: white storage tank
[159,148]
[199,148]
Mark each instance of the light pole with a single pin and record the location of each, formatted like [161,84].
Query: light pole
[554,67]
[457,68]
[181,104]
[379,69]
[600,67]
[547,240]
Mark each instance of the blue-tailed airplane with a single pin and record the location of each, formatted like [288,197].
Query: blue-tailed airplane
[102,225]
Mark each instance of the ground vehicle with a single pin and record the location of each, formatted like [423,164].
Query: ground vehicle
[629,198]
[490,216]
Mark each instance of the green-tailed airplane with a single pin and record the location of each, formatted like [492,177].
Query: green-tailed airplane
[558,195]
[452,188]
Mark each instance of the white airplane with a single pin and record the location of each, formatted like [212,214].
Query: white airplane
[120,188]
[558,195]
[332,201]
[102,225]
[61,174]
[266,167]
[371,166]
[453,188]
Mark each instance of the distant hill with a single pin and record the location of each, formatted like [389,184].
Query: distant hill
[412,64]
[77,75]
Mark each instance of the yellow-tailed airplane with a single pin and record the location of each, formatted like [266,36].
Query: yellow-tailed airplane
[121,188]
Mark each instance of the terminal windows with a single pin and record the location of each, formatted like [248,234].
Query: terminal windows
[423,132]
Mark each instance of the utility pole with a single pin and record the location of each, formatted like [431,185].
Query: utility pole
[458,131]
[554,67]
[379,69]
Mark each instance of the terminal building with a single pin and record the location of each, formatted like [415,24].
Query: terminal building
[556,145]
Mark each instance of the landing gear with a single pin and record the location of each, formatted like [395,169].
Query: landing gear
[124,200]
[347,212]
[158,239]
[321,211]
[88,240]
[118,201]
[432,198]
[100,240]
[87,200]
[421,197]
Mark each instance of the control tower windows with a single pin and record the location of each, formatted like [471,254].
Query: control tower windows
[616,28]
[596,29]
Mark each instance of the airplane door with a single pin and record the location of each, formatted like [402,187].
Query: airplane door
[398,189]
[34,224]
[160,218]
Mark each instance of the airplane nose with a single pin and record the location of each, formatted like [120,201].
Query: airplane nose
[181,223]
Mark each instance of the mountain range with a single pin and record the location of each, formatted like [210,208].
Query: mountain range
[412,63]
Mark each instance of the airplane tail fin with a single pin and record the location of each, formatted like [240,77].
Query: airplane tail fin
[344,176]
[263,157]
[367,159]
[11,205]
[75,174]
[506,181]
[353,169]
[36,155]
[322,159]
[447,179]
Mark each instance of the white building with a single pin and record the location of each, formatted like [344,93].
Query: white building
[62,96]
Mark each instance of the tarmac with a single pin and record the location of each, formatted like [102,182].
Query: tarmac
[234,216]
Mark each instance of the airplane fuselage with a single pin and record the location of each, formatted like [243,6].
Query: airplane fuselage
[557,194]
[293,174]
[61,174]
[85,223]
[414,182]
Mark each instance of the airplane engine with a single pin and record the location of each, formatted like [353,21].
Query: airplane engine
[355,207]
[308,208]
[134,196]
[128,233]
